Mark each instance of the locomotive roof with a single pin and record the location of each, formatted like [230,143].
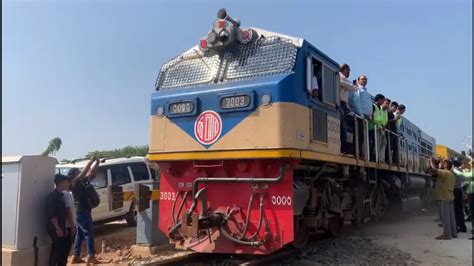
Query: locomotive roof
[298,42]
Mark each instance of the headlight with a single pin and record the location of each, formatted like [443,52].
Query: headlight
[160,111]
[266,99]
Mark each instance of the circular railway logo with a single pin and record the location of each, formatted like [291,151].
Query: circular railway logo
[208,127]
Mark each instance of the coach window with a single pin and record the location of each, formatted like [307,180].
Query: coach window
[314,77]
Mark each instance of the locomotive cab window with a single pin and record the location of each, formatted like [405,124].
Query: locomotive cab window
[329,86]
[314,84]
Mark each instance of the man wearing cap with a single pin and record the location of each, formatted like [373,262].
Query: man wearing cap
[56,225]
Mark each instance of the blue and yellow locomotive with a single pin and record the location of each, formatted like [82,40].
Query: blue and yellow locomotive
[250,161]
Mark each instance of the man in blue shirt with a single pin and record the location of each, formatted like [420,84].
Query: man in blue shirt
[360,102]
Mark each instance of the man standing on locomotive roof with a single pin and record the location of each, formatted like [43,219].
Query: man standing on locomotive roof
[444,187]
[85,229]
[346,87]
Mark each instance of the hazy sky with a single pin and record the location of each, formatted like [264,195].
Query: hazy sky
[84,70]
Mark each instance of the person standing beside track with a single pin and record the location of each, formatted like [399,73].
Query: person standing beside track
[458,196]
[56,227]
[444,187]
[71,220]
[469,177]
[85,227]
[346,87]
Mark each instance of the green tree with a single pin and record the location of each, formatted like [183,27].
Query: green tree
[53,147]
[127,151]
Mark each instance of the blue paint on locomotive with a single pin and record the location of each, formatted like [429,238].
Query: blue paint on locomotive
[290,88]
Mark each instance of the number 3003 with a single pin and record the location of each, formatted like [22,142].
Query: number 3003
[167,195]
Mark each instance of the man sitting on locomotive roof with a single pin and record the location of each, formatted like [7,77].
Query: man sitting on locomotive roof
[346,87]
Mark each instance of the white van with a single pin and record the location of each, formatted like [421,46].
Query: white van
[124,172]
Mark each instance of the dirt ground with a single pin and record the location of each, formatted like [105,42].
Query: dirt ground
[411,233]
[415,235]
[119,238]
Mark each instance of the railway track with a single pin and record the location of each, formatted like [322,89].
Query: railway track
[280,257]
[193,258]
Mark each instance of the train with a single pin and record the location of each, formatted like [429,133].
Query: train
[250,162]
[444,152]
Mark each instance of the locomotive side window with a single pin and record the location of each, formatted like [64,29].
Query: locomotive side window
[314,82]
[329,86]
[320,126]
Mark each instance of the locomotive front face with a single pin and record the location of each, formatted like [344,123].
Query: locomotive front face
[222,121]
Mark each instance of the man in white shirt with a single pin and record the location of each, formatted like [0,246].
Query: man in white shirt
[346,87]
[314,91]
[70,218]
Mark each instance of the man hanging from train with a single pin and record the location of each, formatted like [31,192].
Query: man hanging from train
[346,87]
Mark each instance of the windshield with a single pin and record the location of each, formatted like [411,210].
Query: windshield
[267,56]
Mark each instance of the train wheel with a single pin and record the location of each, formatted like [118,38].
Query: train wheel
[300,233]
[335,226]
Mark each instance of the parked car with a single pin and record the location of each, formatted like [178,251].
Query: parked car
[124,172]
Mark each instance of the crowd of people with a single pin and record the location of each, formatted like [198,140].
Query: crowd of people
[383,118]
[452,176]
[69,209]
[380,114]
